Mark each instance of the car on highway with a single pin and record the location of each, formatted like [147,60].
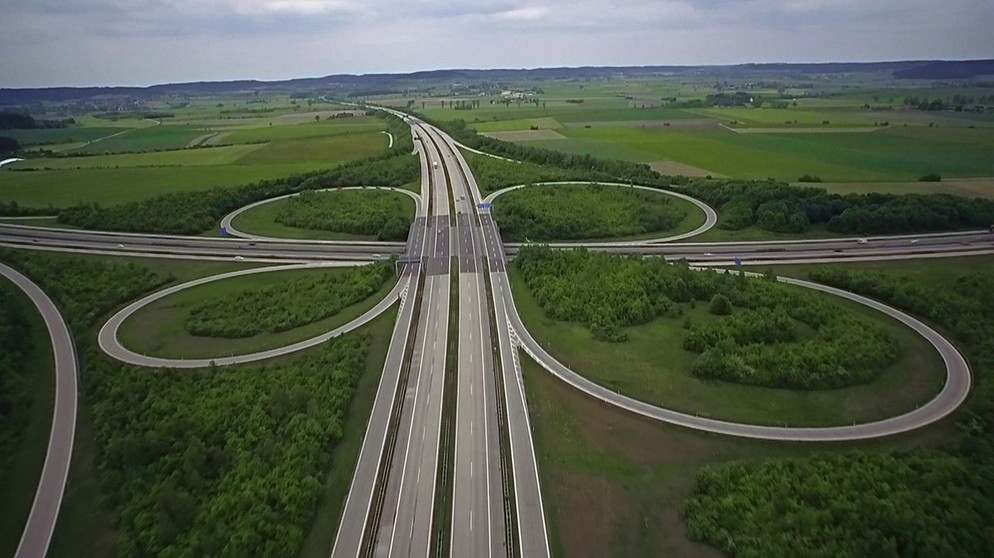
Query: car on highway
[862,241]
[434,164]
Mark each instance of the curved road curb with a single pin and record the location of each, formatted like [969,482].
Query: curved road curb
[110,344]
[227,219]
[38,530]
[953,393]
[710,216]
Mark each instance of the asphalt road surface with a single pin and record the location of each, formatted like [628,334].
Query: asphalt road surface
[38,530]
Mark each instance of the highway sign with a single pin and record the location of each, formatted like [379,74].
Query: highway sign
[484,206]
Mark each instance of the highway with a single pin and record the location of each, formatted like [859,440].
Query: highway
[390,508]
[44,512]
[478,520]
[352,530]
[404,526]
[529,513]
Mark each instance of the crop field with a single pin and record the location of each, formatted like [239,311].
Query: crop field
[885,155]
[258,154]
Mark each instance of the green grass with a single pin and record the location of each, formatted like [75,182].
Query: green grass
[165,136]
[885,155]
[185,157]
[966,187]
[934,271]
[324,527]
[46,137]
[22,467]
[652,366]
[326,150]
[64,188]
[323,128]
[114,179]
[159,329]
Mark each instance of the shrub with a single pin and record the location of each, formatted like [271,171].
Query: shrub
[720,305]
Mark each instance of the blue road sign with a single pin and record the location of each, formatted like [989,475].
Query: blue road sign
[738,261]
[224,231]
[484,206]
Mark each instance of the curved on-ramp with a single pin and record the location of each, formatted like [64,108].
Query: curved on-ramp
[226,221]
[110,344]
[710,216]
[38,530]
[953,393]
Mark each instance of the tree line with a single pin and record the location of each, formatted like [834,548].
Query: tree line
[578,212]
[778,207]
[921,503]
[758,343]
[370,213]
[16,343]
[288,305]
[208,462]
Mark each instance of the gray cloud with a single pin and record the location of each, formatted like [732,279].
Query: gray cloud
[53,42]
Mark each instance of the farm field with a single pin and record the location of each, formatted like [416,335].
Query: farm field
[890,154]
[259,153]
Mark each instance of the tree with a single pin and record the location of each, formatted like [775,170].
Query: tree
[9,145]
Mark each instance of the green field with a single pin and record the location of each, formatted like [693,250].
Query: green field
[652,366]
[115,179]
[884,155]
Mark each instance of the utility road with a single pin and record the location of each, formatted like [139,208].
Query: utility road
[48,498]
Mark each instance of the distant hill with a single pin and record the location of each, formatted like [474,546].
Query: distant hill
[948,70]
[388,83]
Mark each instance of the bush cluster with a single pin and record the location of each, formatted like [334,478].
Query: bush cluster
[370,213]
[923,503]
[583,211]
[759,344]
[286,306]
[216,462]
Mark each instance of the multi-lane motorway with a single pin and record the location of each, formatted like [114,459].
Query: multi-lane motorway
[391,506]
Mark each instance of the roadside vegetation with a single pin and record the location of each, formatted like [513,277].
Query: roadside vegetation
[836,506]
[382,215]
[769,334]
[208,461]
[781,208]
[577,212]
[288,305]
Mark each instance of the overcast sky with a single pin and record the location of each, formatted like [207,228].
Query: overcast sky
[142,42]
